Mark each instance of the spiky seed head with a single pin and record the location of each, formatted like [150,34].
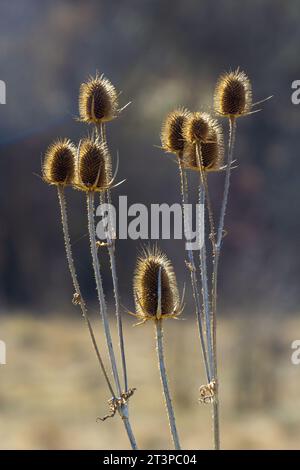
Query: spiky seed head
[196,127]
[233,94]
[212,150]
[98,100]
[172,139]
[146,285]
[94,165]
[59,163]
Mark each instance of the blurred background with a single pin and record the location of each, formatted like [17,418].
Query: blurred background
[160,54]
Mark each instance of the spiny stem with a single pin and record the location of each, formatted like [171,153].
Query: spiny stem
[203,267]
[101,298]
[207,195]
[111,251]
[65,225]
[103,311]
[194,281]
[112,256]
[232,131]
[164,381]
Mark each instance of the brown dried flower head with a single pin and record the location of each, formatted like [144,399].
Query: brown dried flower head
[172,139]
[93,166]
[155,287]
[59,163]
[211,151]
[196,127]
[98,100]
[233,94]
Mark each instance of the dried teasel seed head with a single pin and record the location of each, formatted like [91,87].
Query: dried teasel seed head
[155,279]
[172,138]
[93,166]
[233,94]
[59,163]
[212,150]
[196,127]
[98,100]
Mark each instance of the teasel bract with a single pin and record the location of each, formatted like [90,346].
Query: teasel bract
[98,100]
[156,298]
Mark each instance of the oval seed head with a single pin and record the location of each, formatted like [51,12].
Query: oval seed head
[59,162]
[155,279]
[212,150]
[172,138]
[94,166]
[196,127]
[233,94]
[98,100]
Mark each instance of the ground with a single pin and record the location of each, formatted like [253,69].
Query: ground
[52,391]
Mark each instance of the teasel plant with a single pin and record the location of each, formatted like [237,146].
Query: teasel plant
[205,153]
[182,134]
[232,100]
[89,169]
[157,298]
[98,104]
[172,141]
[59,171]
[197,141]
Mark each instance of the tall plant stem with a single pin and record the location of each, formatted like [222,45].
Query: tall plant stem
[164,381]
[69,254]
[203,190]
[112,257]
[192,268]
[111,251]
[203,177]
[123,410]
[216,412]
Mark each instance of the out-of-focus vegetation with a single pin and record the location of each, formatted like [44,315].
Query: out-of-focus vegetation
[51,392]
[160,55]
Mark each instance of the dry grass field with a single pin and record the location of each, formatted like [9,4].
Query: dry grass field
[51,391]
